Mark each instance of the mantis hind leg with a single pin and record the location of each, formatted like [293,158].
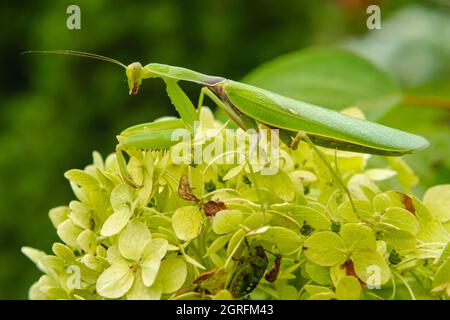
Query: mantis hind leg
[334,173]
[243,121]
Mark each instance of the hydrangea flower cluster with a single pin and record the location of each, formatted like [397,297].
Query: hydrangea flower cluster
[211,231]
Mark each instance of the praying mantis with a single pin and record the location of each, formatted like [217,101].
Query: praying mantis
[251,108]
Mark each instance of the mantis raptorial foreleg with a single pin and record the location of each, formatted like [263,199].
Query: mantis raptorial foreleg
[159,134]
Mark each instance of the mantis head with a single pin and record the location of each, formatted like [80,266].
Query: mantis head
[134,73]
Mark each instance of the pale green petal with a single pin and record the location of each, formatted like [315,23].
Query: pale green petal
[154,252]
[398,239]
[405,174]
[34,255]
[83,179]
[223,295]
[358,182]
[233,172]
[122,197]
[115,281]
[437,199]
[150,268]
[116,222]
[358,237]
[442,277]
[227,221]
[172,275]
[140,292]
[156,248]
[379,174]
[87,241]
[187,222]
[319,293]
[58,215]
[113,255]
[285,240]
[218,244]
[133,239]
[325,248]
[348,288]
[79,214]
[64,252]
[381,202]
[401,219]
[364,211]
[68,232]
[92,262]
[318,274]
[279,184]
[310,216]
[371,268]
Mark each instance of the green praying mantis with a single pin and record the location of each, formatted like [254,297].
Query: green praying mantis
[252,108]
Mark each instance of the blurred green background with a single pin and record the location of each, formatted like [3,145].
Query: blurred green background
[55,110]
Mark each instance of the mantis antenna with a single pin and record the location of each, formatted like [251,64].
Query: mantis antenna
[77,53]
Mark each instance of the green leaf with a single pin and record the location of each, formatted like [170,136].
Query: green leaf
[172,275]
[331,78]
[358,237]
[348,288]
[325,248]
[116,222]
[227,221]
[133,239]
[115,281]
[437,199]
[187,222]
